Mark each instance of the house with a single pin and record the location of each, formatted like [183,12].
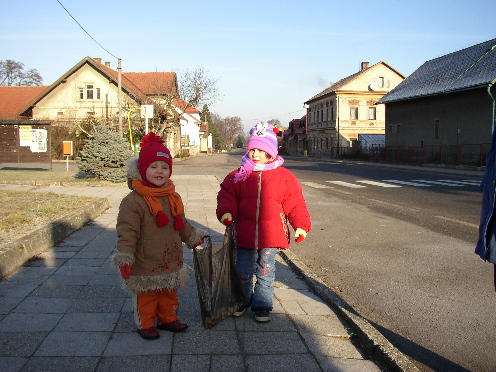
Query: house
[295,137]
[90,89]
[445,109]
[347,108]
[194,133]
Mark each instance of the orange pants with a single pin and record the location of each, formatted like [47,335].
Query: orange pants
[151,305]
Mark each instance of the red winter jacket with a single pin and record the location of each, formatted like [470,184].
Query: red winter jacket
[261,206]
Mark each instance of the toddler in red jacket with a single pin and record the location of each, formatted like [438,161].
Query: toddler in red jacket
[261,197]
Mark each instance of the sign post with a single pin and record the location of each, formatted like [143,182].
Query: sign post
[67,151]
[146,113]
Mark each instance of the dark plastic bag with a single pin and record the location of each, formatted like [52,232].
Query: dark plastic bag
[219,289]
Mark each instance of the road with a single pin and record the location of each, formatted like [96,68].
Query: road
[397,245]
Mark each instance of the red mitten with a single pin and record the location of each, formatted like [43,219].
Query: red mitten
[300,235]
[125,271]
[162,219]
[227,219]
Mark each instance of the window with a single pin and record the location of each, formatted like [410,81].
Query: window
[390,129]
[60,113]
[81,93]
[353,113]
[436,129]
[97,93]
[398,128]
[89,91]
[381,81]
[372,113]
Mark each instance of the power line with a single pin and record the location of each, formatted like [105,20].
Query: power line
[87,33]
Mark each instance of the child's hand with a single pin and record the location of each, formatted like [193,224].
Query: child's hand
[125,271]
[227,219]
[199,244]
[300,235]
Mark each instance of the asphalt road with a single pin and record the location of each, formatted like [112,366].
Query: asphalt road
[401,256]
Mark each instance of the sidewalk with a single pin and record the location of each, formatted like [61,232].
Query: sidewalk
[67,311]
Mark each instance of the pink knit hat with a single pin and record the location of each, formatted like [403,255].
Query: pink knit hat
[263,137]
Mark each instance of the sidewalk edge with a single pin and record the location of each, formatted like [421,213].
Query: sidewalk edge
[15,254]
[375,344]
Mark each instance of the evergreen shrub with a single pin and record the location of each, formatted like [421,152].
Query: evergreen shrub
[104,156]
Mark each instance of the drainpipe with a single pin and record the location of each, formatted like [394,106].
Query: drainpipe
[490,85]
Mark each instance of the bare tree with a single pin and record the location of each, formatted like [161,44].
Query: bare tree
[229,129]
[12,73]
[275,122]
[197,88]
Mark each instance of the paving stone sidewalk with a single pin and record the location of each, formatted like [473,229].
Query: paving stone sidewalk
[68,312]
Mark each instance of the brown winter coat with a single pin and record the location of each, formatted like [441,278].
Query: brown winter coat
[154,253]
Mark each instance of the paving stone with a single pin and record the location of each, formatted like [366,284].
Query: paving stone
[131,343]
[278,322]
[292,308]
[53,289]
[227,363]
[295,295]
[282,363]
[331,346]
[148,363]
[316,308]
[97,322]
[80,364]
[64,279]
[12,289]
[43,305]
[272,343]
[8,303]
[29,322]
[97,305]
[74,344]
[206,342]
[18,344]
[188,363]
[103,291]
[331,364]
[12,364]
[329,325]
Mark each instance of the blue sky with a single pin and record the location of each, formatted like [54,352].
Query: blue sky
[268,57]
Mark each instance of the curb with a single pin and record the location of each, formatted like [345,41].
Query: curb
[372,342]
[13,255]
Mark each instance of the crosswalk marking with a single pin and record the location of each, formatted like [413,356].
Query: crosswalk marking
[440,182]
[346,184]
[408,183]
[392,183]
[375,183]
[316,185]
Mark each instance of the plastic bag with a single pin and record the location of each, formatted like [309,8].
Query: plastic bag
[219,289]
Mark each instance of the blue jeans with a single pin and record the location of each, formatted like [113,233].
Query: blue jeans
[262,264]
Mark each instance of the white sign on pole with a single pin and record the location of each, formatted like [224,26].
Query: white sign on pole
[39,140]
[146,111]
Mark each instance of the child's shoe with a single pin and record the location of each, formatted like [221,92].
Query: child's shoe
[262,316]
[241,310]
[175,326]
[149,333]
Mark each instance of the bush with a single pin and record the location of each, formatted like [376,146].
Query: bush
[105,155]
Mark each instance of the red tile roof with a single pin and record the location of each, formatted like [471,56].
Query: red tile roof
[153,83]
[13,99]
[182,104]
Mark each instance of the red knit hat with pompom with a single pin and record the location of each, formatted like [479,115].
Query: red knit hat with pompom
[152,149]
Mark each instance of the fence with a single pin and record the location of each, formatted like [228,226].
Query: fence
[461,154]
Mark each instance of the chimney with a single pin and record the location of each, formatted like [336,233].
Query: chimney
[99,60]
[364,65]
[107,64]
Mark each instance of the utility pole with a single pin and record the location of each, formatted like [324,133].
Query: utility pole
[119,83]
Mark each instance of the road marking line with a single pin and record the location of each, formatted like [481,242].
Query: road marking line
[458,221]
[387,203]
[316,185]
[375,183]
[440,182]
[465,182]
[346,184]
[408,183]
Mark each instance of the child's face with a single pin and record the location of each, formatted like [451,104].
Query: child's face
[258,156]
[158,173]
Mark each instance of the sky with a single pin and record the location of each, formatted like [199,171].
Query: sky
[267,57]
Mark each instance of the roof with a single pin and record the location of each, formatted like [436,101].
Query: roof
[153,83]
[130,81]
[469,68]
[14,98]
[182,104]
[337,85]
